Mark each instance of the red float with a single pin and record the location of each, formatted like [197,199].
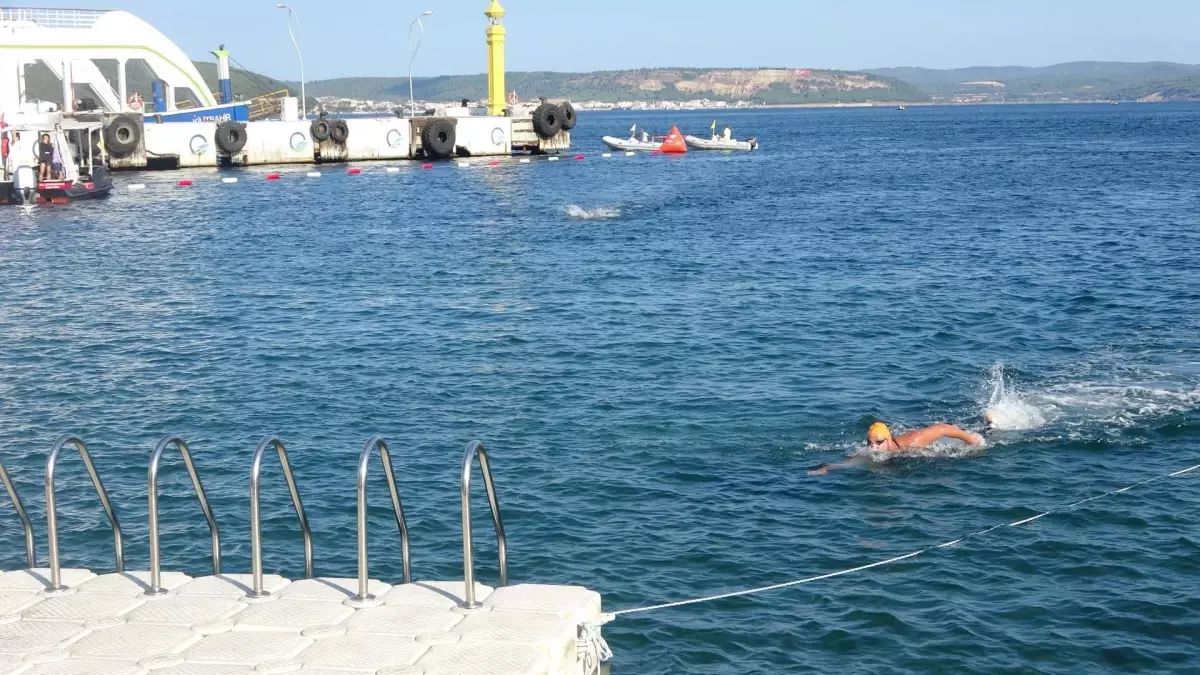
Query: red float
[354,172]
[186,182]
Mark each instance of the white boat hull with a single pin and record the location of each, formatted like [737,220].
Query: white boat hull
[719,144]
[630,144]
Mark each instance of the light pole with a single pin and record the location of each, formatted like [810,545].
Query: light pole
[412,102]
[303,98]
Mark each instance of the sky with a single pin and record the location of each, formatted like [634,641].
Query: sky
[368,37]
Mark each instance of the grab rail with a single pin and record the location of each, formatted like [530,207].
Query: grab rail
[385,458]
[476,449]
[30,557]
[52,515]
[152,480]
[255,524]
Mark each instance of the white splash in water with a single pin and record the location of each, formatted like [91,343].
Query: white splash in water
[599,213]
[1120,399]
[1006,410]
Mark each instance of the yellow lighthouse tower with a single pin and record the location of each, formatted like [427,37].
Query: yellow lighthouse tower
[497,99]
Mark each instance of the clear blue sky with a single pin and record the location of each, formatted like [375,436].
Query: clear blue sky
[367,37]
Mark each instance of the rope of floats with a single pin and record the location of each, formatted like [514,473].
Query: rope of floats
[608,617]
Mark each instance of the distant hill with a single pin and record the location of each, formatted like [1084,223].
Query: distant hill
[764,85]
[1079,81]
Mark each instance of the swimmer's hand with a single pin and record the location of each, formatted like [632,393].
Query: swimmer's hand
[819,471]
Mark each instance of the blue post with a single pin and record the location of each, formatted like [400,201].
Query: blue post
[160,99]
[225,85]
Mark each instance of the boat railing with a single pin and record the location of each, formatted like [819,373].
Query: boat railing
[152,481]
[11,488]
[385,459]
[267,105]
[256,569]
[53,18]
[476,449]
[52,515]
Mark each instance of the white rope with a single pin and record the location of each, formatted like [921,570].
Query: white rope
[605,618]
[592,647]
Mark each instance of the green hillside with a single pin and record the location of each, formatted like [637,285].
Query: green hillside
[1079,81]
[769,85]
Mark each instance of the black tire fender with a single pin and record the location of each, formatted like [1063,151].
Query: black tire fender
[230,137]
[438,138]
[339,131]
[122,134]
[319,130]
[546,120]
[566,113]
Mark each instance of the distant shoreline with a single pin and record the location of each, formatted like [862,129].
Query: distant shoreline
[880,104]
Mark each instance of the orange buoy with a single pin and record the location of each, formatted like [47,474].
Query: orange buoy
[674,145]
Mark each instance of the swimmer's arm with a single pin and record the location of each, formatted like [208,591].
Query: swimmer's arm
[950,431]
[826,468]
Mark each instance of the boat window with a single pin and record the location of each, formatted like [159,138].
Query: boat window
[109,69]
[41,84]
[186,98]
[139,77]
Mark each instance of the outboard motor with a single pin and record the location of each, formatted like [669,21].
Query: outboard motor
[24,185]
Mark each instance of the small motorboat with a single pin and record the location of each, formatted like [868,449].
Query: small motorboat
[81,175]
[632,143]
[720,143]
[646,143]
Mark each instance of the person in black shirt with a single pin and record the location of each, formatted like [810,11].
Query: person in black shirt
[45,157]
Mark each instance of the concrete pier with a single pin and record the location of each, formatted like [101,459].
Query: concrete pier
[172,145]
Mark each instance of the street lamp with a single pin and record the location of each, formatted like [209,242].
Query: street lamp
[303,98]
[412,102]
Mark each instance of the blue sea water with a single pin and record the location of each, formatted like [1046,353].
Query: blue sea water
[655,350]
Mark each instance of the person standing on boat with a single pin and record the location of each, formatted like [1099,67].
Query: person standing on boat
[45,154]
[728,133]
[56,164]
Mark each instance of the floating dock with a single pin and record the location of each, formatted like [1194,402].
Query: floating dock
[107,625]
[56,621]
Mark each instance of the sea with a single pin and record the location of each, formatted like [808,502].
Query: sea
[655,351]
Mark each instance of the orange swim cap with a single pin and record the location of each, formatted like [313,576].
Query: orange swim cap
[879,431]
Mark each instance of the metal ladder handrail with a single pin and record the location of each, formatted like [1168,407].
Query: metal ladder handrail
[30,555]
[255,523]
[152,482]
[476,449]
[52,515]
[385,458]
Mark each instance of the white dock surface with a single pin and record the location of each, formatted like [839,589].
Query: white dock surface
[106,625]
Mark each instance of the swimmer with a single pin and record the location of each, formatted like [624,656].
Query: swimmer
[880,439]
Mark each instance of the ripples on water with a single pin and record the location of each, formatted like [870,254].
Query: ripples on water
[655,365]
